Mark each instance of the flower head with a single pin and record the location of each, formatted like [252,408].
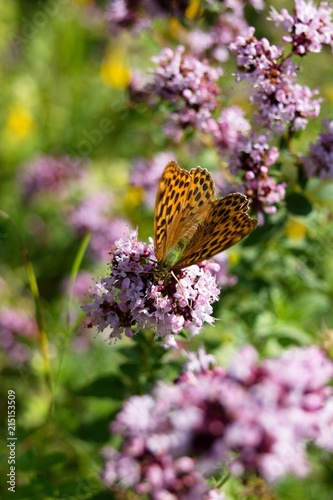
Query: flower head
[319,161]
[219,267]
[49,174]
[253,159]
[282,103]
[137,15]
[188,84]
[94,214]
[309,27]
[147,173]
[253,417]
[16,326]
[130,298]
[231,127]
[216,41]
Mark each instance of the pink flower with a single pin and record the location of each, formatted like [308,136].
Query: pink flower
[49,174]
[147,173]
[188,85]
[309,28]
[129,299]
[231,127]
[319,161]
[255,417]
[94,214]
[16,329]
[281,102]
[252,160]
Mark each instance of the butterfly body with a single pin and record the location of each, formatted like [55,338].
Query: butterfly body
[190,224]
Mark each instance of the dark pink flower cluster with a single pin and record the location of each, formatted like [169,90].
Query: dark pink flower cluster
[319,161]
[309,27]
[215,42]
[252,160]
[231,127]
[130,299]
[16,329]
[219,267]
[255,417]
[50,174]
[281,102]
[189,86]
[137,15]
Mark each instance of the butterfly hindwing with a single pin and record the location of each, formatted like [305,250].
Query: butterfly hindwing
[225,224]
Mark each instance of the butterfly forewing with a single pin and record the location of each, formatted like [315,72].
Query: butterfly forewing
[191,223]
[182,200]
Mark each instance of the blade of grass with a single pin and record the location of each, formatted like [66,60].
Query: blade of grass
[38,306]
[75,269]
[71,327]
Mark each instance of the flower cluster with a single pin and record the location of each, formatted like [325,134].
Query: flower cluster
[94,214]
[281,102]
[147,173]
[252,160]
[216,41]
[319,161]
[16,326]
[231,128]
[130,298]
[255,417]
[219,267]
[49,174]
[136,16]
[189,85]
[309,27]
[230,23]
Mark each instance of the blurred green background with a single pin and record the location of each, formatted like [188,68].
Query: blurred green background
[63,92]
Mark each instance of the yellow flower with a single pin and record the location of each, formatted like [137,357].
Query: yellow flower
[194,9]
[296,230]
[115,69]
[20,123]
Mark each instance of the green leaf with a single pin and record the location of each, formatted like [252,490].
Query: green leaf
[97,431]
[298,204]
[104,387]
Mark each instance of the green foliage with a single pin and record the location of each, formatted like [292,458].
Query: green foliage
[53,96]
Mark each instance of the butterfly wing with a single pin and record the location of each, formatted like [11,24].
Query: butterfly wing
[226,223]
[182,200]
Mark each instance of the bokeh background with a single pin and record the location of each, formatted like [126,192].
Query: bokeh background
[70,137]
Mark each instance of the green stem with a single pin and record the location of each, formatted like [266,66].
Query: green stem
[38,306]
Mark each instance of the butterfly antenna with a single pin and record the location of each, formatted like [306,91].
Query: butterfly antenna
[182,290]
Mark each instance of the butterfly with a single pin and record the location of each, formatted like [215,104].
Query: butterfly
[190,223]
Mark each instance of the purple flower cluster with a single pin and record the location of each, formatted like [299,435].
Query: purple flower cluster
[252,160]
[16,327]
[130,299]
[309,27]
[255,417]
[219,267]
[147,173]
[189,85]
[229,24]
[319,161]
[94,214]
[281,102]
[216,41]
[137,15]
[49,174]
[231,127]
